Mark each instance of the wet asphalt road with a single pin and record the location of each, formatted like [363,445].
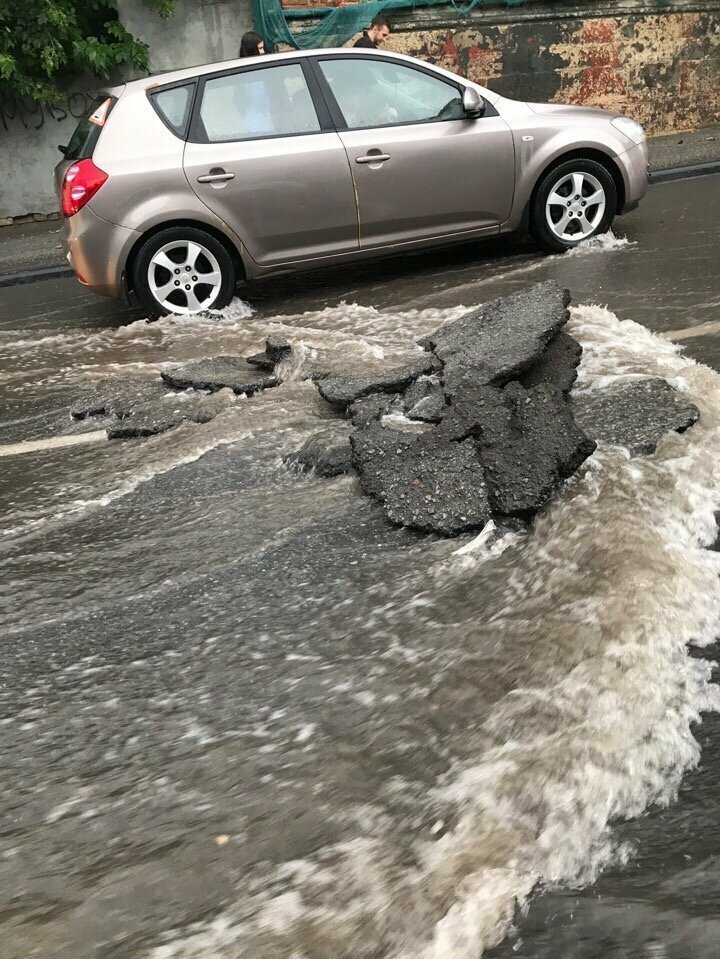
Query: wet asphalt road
[151,639]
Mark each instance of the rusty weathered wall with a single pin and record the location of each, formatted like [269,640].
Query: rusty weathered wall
[663,69]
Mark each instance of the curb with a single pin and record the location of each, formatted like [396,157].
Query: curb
[684,172]
[30,276]
[655,176]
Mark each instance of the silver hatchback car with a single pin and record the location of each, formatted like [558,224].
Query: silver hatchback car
[176,188]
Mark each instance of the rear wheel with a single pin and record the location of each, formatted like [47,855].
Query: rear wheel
[573,202]
[183,270]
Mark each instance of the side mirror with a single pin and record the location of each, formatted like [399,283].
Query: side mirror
[473,103]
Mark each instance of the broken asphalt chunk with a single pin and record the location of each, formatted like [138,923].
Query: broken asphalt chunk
[634,414]
[557,366]
[326,453]
[171,411]
[276,349]
[217,373]
[343,389]
[527,442]
[117,397]
[496,342]
[423,481]
[425,400]
[369,408]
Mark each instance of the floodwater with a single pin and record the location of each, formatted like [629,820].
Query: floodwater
[242,716]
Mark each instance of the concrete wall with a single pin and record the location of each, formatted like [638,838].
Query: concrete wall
[656,62]
[201,31]
[29,137]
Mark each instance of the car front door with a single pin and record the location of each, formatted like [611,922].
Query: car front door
[263,155]
[422,168]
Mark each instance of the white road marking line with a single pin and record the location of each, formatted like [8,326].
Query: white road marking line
[51,443]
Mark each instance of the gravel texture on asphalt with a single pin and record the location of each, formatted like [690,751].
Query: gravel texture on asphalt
[426,482]
[635,415]
[496,342]
[343,390]
[218,372]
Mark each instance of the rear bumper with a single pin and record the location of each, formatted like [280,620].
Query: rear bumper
[97,251]
[634,166]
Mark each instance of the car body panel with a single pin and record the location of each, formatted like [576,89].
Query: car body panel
[143,160]
[97,250]
[291,198]
[540,143]
[411,197]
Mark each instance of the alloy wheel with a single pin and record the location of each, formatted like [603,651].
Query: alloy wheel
[575,206]
[184,277]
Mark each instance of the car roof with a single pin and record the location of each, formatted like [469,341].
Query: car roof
[189,73]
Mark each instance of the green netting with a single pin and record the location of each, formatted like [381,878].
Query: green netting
[337,25]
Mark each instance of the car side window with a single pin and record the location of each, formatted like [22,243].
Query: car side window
[378,93]
[173,105]
[267,102]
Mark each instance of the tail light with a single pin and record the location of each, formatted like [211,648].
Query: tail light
[82,181]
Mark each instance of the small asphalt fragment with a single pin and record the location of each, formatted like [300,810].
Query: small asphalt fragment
[126,408]
[193,393]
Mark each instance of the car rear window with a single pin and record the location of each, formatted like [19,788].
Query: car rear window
[82,142]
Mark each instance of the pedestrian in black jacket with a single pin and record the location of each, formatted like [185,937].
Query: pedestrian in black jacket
[376,34]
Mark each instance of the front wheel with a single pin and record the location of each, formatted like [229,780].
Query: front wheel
[183,270]
[573,202]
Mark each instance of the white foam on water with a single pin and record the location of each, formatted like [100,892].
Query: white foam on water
[488,544]
[598,606]
[159,457]
[602,243]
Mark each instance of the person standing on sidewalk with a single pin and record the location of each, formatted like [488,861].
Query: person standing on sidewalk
[376,34]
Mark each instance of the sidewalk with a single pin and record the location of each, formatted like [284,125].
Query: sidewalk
[36,246]
[685,149]
[31,246]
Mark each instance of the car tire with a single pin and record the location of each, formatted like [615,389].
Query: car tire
[183,270]
[563,211]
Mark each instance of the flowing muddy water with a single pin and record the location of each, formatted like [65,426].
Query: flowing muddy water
[243,716]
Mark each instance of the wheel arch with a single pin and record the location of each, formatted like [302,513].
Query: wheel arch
[583,153]
[230,247]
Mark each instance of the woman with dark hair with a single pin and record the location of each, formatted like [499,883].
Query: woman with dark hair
[251,45]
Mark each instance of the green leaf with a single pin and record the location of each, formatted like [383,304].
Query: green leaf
[43,43]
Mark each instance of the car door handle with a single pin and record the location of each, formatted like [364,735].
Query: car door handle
[215,177]
[373,158]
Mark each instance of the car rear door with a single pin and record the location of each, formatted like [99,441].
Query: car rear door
[421,167]
[263,155]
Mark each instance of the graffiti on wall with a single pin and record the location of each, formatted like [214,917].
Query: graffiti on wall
[17,111]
